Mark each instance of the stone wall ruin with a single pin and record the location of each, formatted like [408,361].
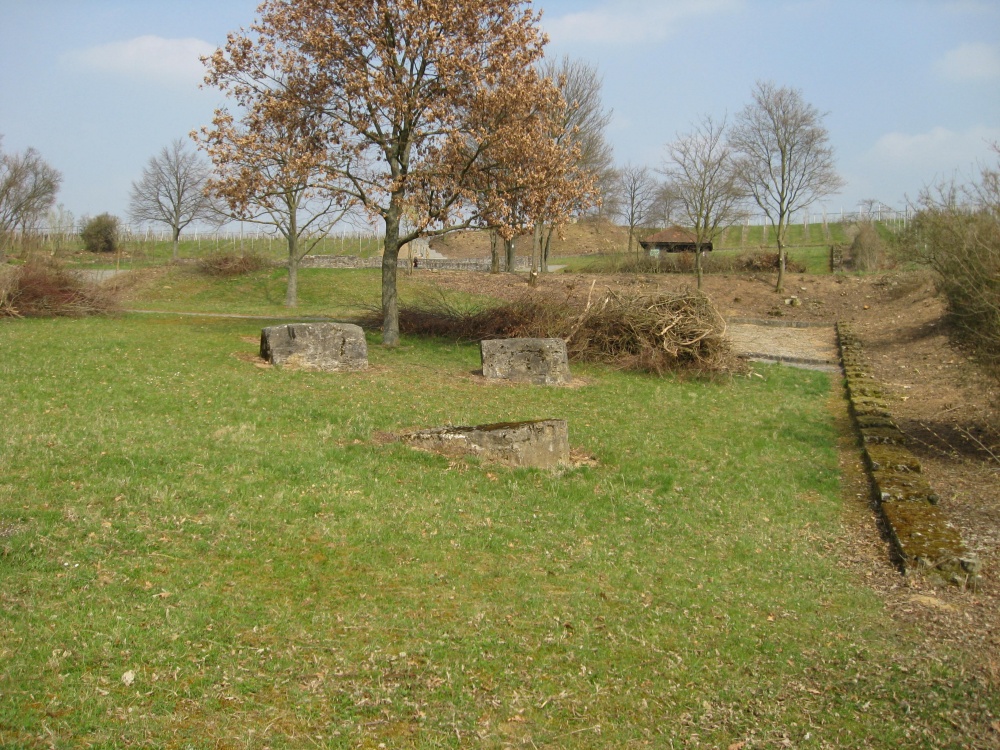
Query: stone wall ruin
[326,347]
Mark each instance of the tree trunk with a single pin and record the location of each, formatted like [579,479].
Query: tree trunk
[697,263]
[177,237]
[390,263]
[536,247]
[494,251]
[546,246]
[509,248]
[781,268]
[780,239]
[292,292]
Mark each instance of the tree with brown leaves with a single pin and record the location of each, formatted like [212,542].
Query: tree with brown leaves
[415,100]
[273,163]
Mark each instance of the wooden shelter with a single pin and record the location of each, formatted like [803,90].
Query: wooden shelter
[673,240]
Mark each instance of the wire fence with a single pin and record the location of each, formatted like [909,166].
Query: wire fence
[152,244]
[146,243]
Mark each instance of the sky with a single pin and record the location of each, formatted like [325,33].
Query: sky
[910,88]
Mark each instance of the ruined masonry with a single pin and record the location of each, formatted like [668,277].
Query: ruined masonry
[540,361]
[922,538]
[542,444]
[328,347]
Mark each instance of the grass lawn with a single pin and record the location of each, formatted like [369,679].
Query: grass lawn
[199,552]
[140,253]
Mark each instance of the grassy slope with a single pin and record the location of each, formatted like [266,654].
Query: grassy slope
[239,544]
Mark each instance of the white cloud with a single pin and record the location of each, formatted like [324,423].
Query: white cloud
[630,21]
[970,61]
[920,159]
[168,61]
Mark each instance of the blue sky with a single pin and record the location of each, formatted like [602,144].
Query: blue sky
[911,88]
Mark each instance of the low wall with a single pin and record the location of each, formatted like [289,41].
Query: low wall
[920,534]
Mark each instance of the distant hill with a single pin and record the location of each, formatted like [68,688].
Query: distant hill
[582,238]
[594,237]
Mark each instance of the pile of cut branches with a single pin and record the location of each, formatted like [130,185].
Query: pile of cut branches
[42,288]
[229,265]
[666,332]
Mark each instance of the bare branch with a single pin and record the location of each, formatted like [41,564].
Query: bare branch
[785,159]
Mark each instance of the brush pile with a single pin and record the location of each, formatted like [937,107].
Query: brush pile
[41,288]
[230,265]
[665,332]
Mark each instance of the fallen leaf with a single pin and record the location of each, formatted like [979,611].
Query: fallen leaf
[128,678]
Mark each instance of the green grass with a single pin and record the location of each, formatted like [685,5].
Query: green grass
[241,547]
[338,294]
[140,253]
[798,235]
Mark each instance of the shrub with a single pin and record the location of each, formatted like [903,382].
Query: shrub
[100,234]
[763,261]
[957,233]
[43,288]
[868,249]
[231,264]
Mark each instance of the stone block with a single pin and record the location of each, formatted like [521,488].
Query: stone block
[540,361]
[882,457]
[923,540]
[541,444]
[328,347]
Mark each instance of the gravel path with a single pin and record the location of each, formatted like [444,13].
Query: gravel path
[813,346]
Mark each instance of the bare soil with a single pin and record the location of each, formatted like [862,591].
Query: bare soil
[583,238]
[939,396]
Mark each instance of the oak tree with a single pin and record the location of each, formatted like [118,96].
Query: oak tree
[579,123]
[415,98]
[273,162]
[785,158]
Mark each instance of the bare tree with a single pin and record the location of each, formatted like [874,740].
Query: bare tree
[28,187]
[666,207]
[171,191]
[785,159]
[636,190]
[414,98]
[701,174]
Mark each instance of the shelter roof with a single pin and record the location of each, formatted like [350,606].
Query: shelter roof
[673,235]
